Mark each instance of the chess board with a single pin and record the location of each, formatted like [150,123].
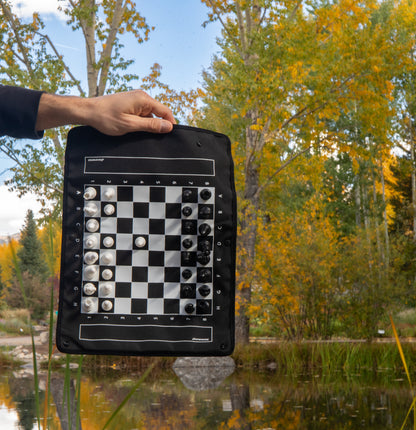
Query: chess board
[148,252]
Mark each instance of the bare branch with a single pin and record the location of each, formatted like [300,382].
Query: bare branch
[233,40]
[240,21]
[403,148]
[11,20]
[75,81]
[88,30]
[277,171]
[15,159]
[105,59]
[308,109]
[293,13]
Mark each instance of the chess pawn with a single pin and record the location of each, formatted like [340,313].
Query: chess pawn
[205,194]
[106,289]
[109,209]
[203,306]
[204,229]
[189,308]
[89,289]
[186,274]
[91,209]
[90,272]
[107,258]
[91,242]
[107,305]
[90,193]
[107,274]
[187,243]
[109,193]
[88,305]
[204,275]
[204,290]
[108,242]
[90,257]
[140,242]
[92,225]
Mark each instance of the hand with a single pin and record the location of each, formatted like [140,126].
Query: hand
[121,113]
[114,114]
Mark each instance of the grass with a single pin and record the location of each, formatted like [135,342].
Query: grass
[15,322]
[297,357]
[23,317]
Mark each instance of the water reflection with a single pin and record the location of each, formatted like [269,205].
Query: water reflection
[244,400]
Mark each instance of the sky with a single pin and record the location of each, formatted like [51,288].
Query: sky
[179,44]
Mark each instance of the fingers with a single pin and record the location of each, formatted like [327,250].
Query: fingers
[162,111]
[121,113]
[151,125]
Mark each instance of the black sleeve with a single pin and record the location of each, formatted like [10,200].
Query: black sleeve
[18,112]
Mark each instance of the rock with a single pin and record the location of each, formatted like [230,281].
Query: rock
[272,366]
[204,362]
[203,373]
[44,337]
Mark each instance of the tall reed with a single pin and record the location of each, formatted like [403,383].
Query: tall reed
[19,277]
[406,368]
[50,256]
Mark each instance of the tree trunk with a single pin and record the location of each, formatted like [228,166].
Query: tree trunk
[412,148]
[385,221]
[248,232]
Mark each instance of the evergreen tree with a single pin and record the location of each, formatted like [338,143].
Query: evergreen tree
[31,256]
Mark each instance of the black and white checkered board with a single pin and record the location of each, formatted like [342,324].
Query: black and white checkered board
[148,253]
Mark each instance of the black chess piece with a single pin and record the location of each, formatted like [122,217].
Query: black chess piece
[205,194]
[204,229]
[204,290]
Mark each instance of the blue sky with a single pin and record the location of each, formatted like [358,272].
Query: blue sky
[179,44]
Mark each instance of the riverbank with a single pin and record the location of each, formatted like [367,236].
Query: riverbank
[261,354]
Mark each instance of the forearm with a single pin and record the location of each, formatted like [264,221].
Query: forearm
[56,111]
[114,114]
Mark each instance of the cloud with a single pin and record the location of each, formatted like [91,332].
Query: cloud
[13,210]
[25,8]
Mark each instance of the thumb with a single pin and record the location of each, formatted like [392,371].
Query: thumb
[153,125]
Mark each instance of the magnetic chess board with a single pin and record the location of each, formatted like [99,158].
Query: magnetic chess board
[148,244]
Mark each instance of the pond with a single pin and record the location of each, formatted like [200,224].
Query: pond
[177,399]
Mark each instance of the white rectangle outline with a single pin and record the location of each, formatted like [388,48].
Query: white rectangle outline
[147,340]
[149,174]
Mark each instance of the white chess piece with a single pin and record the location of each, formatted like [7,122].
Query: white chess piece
[107,274]
[90,193]
[91,209]
[106,289]
[91,242]
[109,209]
[89,289]
[90,272]
[109,193]
[108,242]
[107,258]
[88,304]
[140,242]
[107,305]
[90,257]
[92,225]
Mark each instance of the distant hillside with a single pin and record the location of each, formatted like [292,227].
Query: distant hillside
[5,238]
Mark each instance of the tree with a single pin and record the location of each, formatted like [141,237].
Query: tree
[30,58]
[30,254]
[34,271]
[300,254]
[286,70]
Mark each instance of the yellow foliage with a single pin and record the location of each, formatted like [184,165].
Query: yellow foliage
[6,263]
